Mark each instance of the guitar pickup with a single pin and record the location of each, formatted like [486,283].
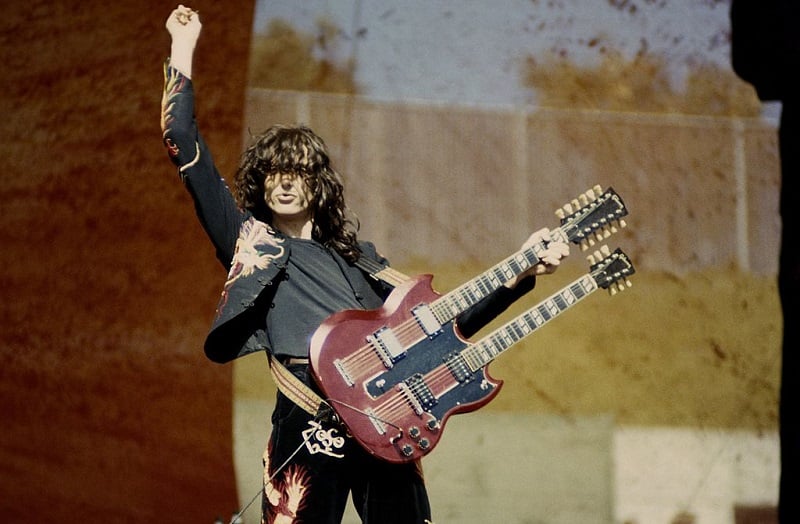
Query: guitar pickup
[426,320]
[458,368]
[418,394]
[386,345]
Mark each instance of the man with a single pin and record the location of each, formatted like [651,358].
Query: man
[293,259]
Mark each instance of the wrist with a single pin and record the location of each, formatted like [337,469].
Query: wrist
[181,54]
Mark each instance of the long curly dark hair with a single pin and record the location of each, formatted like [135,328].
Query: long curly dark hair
[297,149]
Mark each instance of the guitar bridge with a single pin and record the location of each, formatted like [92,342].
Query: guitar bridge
[340,367]
[380,427]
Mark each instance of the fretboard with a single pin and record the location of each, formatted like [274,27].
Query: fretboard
[463,297]
[487,349]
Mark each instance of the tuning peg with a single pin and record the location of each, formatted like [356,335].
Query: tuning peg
[620,285]
[568,208]
[583,199]
[560,214]
[598,255]
[591,195]
[597,190]
[622,223]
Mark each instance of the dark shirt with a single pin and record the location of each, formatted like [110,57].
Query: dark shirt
[314,287]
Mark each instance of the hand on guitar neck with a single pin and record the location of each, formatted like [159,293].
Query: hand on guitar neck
[550,250]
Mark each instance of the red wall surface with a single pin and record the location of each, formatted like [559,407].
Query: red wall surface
[110,411]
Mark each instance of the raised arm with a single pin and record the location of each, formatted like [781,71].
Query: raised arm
[215,206]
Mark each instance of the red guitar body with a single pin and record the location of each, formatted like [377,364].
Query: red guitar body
[395,401]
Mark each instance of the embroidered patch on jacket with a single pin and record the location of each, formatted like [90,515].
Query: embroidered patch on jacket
[256,248]
[173,84]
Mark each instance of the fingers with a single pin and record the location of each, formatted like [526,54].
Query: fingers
[182,15]
[542,235]
[184,27]
[551,258]
[558,249]
[552,253]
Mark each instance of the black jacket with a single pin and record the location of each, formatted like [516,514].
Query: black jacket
[253,253]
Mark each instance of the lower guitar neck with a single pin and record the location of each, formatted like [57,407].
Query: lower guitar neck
[487,349]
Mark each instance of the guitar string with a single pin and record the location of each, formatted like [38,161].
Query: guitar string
[440,379]
[461,291]
[409,332]
[444,371]
[356,409]
[445,308]
[359,360]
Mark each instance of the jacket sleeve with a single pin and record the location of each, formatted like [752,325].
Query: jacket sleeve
[487,309]
[214,204]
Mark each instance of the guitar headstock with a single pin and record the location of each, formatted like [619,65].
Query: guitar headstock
[593,216]
[610,270]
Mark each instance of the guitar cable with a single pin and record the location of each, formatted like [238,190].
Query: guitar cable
[370,416]
[236,518]
[328,415]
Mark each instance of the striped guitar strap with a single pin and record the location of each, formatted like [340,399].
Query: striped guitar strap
[293,387]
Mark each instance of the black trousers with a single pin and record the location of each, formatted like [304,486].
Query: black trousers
[311,467]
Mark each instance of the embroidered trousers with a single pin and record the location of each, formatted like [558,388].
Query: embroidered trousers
[311,468]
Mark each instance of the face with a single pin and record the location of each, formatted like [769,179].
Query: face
[288,196]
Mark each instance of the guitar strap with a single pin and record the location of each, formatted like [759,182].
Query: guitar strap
[298,392]
[379,271]
[294,388]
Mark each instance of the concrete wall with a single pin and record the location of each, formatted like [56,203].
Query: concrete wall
[435,182]
[519,468]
